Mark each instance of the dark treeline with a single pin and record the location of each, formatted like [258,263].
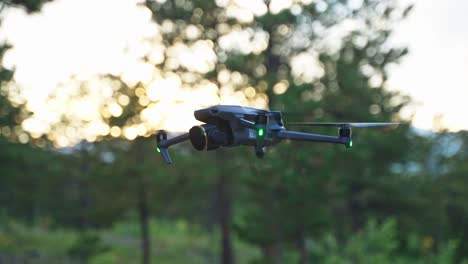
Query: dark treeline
[397,196]
[288,205]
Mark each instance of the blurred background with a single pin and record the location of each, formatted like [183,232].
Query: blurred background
[85,85]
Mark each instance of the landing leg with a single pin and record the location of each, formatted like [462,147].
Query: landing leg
[259,151]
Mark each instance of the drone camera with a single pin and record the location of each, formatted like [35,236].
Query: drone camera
[198,137]
[207,137]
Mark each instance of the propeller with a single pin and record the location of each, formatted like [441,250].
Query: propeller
[343,124]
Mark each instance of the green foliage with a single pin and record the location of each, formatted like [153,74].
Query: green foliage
[29,5]
[380,244]
[174,243]
[36,244]
[87,245]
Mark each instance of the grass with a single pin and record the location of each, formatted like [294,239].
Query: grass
[171,243]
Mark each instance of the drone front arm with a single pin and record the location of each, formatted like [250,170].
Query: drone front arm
[300,136]
[164,144]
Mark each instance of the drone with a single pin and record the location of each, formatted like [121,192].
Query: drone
[232,125]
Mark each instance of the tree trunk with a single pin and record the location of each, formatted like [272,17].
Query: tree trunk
[301,246]
[355,208]
[144,221]
[272,253]
[225,220]
[143,209]
[83,192]
[224,208]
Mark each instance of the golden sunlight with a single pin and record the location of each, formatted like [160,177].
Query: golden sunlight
[162,84]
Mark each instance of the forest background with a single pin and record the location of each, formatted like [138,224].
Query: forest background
[88,186]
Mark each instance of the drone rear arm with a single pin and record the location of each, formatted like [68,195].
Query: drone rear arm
[166,143]
[300,136]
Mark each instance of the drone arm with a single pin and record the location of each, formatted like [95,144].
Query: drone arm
[293,135]
[164,144]
[172,141]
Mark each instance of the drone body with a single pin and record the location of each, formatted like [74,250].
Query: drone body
[231,125]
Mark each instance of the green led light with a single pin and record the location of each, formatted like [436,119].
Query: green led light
[157,149]
[261,132]
[350,143]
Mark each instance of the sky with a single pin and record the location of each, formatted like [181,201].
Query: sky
[435,73]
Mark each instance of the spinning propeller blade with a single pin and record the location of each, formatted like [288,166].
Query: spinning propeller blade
[343,124]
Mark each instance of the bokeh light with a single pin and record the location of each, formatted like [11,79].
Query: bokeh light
[71,101]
